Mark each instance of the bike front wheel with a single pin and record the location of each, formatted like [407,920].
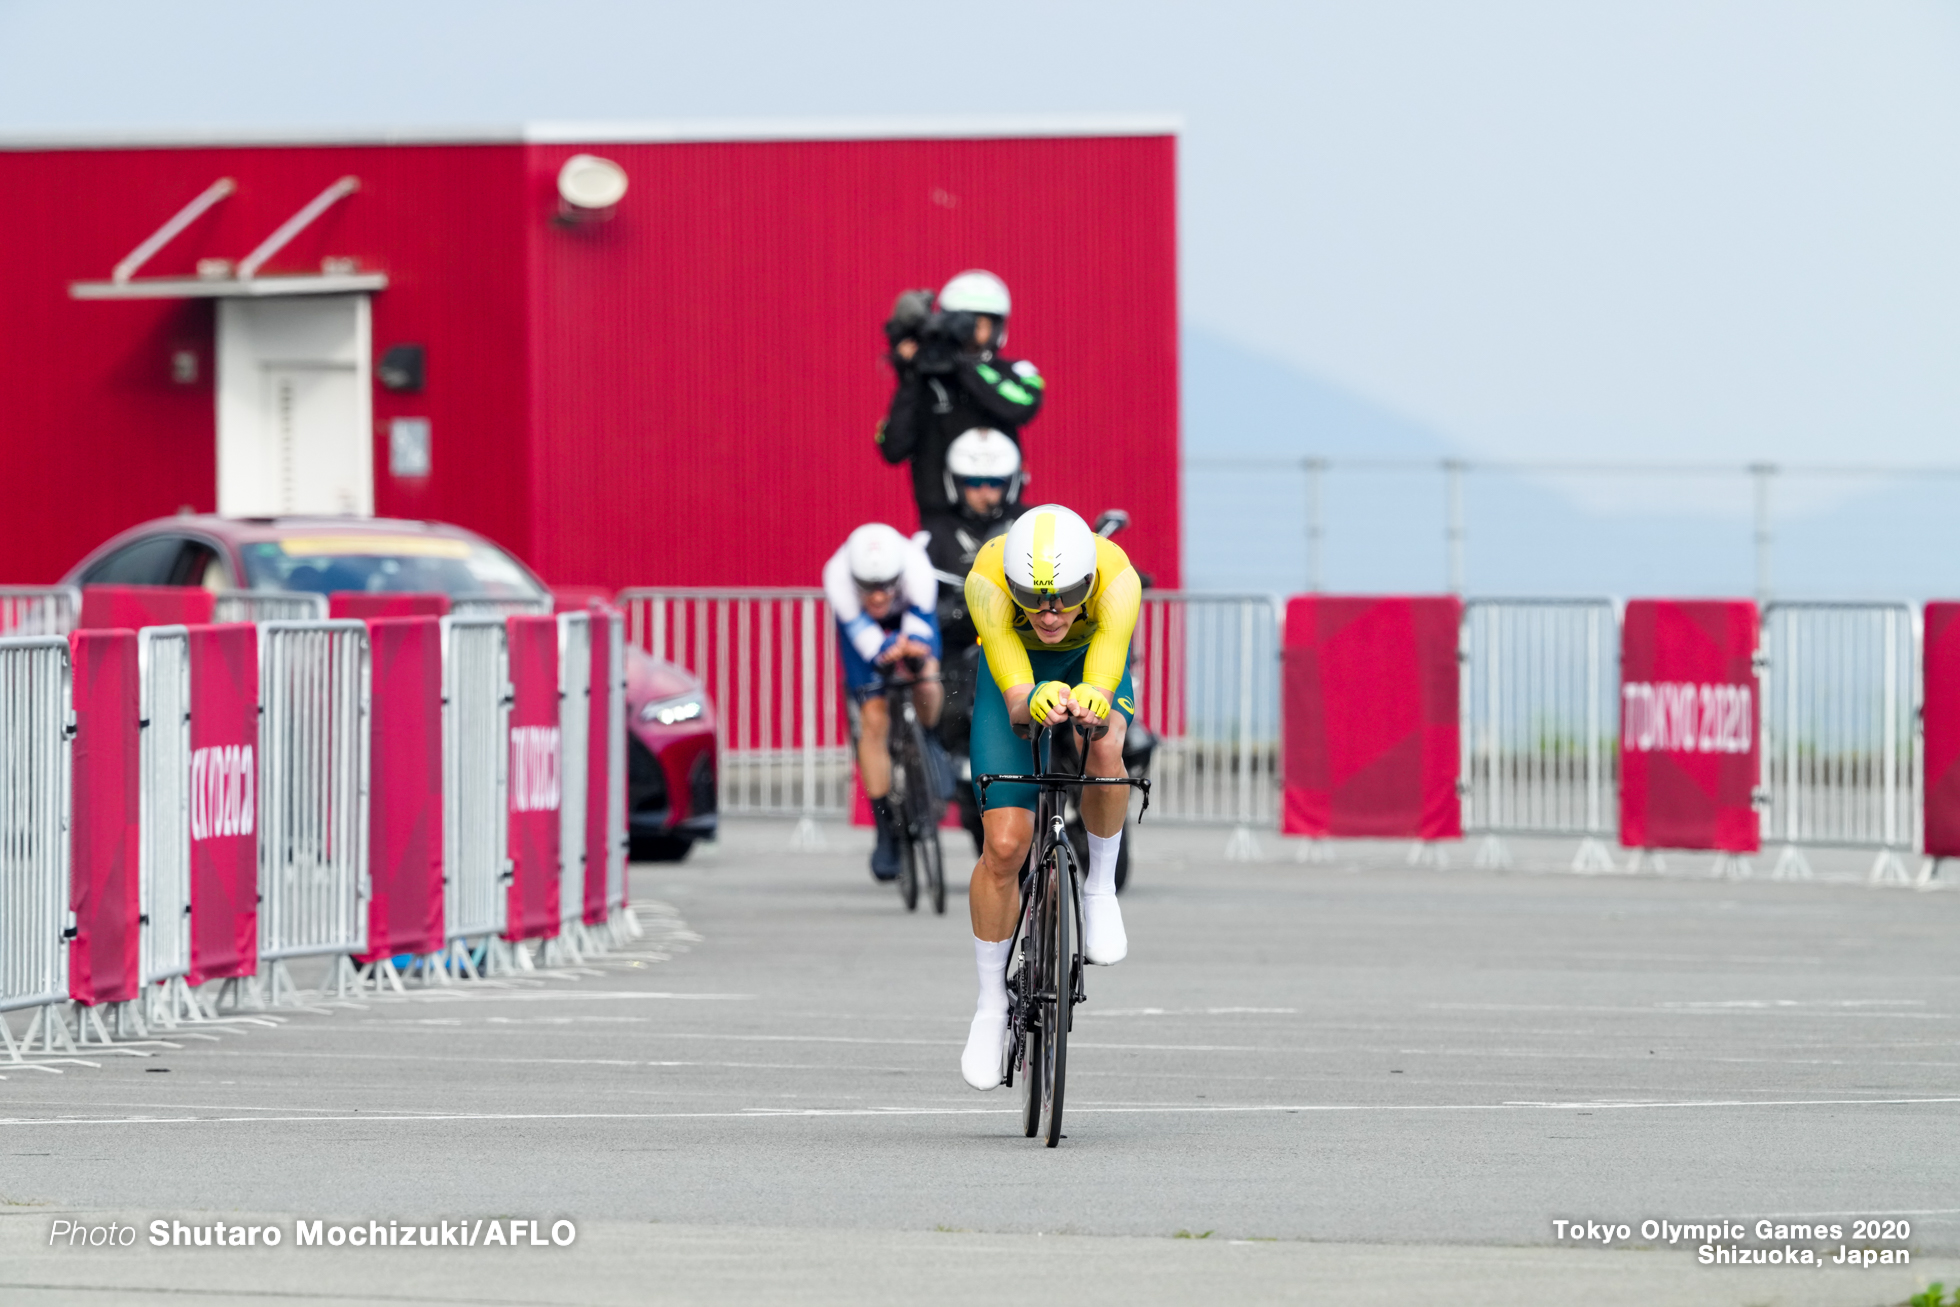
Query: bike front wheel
[1057,911]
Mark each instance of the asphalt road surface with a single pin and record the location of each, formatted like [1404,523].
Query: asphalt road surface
[1346,1082]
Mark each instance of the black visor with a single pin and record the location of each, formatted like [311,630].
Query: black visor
[1068,596]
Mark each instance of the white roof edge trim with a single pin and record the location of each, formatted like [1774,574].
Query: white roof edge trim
[650,132]
[680,130]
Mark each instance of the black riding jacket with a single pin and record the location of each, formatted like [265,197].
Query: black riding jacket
[954,537]
[929,412]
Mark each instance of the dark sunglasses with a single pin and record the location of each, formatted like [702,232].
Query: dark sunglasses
[991,483]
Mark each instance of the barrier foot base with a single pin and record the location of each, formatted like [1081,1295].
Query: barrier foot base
[1243,846]
[1888,869]
[1791,865]
[560,951]
[131,1014]
[1491,852]
[1313,851]
[1646,860]
[1929,874]
[461,964]
[373,974]
[1730,867]
[1592,856]
[629,920]
[1428,853]
[51,1029]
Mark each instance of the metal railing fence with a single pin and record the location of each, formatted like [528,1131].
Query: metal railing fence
[39,609]
[616,841]
[1539,710]
[479,606]
[313,790]
[164,803]
[1207,673]
[769,661]
[476,695]
[36,731]
[269,606]
[574,736]
[1841,757]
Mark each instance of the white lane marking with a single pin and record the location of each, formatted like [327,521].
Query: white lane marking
[1093,1109]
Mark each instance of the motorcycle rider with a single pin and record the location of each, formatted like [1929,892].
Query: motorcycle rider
[984,477]
[952,379]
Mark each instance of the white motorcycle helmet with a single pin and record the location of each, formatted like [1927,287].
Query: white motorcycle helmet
[975,291]
[875,554]
[1050,558]
[983,452]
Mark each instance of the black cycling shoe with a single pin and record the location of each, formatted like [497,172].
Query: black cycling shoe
[884,856]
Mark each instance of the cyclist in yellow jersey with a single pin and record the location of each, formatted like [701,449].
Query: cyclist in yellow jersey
[1055,605]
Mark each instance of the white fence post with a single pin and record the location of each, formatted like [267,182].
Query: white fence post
[1841,734]
[574,739]
[1540,686]
[37,728]
[164,820]
[313,797]
[476,695]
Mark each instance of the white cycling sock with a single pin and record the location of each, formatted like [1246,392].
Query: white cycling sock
[1102,863]
[990,956]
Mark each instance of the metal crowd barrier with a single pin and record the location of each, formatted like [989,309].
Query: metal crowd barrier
[269,606]
[1841,751]
[769,661]
[39,609]
[1539,705]
[479,606]
[476,695]
[36,729]
[1206,669]
[313,795]
[164,806]
[574,735]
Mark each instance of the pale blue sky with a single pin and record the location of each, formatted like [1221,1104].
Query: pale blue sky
[1719,229]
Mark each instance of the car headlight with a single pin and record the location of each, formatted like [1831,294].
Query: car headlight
[672,712]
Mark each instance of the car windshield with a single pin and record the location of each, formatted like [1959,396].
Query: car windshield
[380,564]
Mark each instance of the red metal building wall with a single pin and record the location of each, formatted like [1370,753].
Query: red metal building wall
[708,364]
[94,434]
[683,395]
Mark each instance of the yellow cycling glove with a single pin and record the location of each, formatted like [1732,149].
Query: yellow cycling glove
[1046,698]
[1092,697]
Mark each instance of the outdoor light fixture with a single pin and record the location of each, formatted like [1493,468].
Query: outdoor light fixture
[401,369]
[589,187]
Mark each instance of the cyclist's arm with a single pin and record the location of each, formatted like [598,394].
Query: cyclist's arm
[993,617]
[865,635]
[1115,615]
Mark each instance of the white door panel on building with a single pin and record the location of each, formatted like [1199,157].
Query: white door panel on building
[295,407]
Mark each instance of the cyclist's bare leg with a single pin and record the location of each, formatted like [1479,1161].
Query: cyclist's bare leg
[994,894]
[874,760]
[1103,805]
[928,695]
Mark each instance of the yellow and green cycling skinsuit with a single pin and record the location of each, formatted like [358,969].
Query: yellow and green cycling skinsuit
[1096,650]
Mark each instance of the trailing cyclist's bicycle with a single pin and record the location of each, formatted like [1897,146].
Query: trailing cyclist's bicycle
[920,779]
[1046,984]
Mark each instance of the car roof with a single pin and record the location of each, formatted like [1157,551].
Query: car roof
[237,532]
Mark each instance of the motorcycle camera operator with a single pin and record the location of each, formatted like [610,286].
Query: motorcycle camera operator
[983,482]
[952,379]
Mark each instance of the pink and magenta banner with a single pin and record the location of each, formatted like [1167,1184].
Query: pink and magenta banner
[1370,717]
[224,801]
[1690,734]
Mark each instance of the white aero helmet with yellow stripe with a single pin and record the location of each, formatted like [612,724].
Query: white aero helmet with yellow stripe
[1050,558]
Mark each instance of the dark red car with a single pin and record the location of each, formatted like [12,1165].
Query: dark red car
[671,779]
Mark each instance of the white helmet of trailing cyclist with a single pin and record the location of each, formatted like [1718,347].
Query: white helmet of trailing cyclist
[975,291]
[876,555]
[983,452]
[1050,558]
